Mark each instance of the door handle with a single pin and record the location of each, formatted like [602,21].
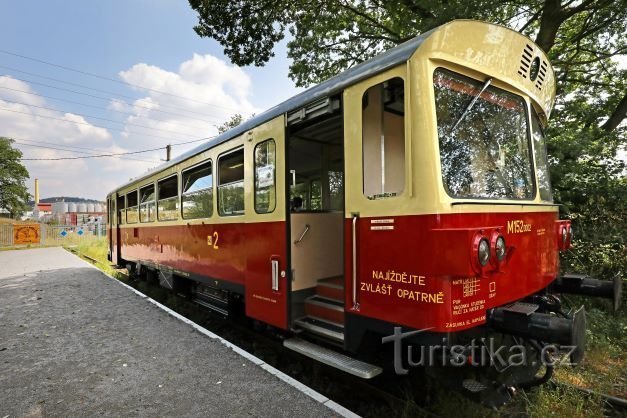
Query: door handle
[275,274]
[307,226]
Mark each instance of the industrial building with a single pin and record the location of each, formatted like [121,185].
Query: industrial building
[68,213]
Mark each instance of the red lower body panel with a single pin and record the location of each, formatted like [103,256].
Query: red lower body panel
[418,270]
[237,253]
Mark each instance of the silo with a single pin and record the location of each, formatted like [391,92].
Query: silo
[71,207]
[81,208]
[90,207]
[59,207]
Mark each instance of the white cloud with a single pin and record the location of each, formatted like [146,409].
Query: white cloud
[19,119]
[205,92]
[17,91]
[119,106]
[211,71]
[217,89]
[51,128]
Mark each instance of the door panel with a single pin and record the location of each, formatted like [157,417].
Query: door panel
[110,210]
[266,232]
[378,184]
[114,230]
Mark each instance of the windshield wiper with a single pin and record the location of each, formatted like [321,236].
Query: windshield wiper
[470,105]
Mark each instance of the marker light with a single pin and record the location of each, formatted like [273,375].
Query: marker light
[483,251]
[499,248]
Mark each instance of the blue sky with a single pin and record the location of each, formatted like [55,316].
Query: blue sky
[148,43]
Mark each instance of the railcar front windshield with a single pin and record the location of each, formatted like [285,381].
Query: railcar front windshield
[483,137]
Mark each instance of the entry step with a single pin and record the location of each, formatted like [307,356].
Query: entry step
[328,303]
[321,327]
[321,307]
[332,358]
[331,288]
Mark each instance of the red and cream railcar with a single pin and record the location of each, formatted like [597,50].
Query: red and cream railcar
[409,192]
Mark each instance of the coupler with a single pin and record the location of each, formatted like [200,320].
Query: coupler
[581,284]
[545,328]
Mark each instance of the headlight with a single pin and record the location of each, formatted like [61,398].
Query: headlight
[483,251]
[499,248]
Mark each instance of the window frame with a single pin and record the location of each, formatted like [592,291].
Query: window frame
[266,141]
[538,193]
[127,207]
[176,196]
[148,203]
[525,104]
[243,180]
[385,196]
[120,219]
[182,194]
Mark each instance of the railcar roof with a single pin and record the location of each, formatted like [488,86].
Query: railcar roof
[333,85]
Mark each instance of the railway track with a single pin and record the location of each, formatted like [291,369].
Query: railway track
[75,251]
[611,403]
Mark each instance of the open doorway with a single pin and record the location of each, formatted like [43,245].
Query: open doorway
[316,195]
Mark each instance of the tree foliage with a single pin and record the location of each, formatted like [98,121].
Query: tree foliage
[582,38]
[235,120]
[14,195]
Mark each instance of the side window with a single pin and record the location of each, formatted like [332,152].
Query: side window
[168,203]
[316,195]
[336,190]
[197,193]
[265,177]
[542,163]
[231,183]
[147,203]
[120,209]
[131,207]
[383,133]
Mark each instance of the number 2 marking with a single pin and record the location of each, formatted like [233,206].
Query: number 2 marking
[212,241]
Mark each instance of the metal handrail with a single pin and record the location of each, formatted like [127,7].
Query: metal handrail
[307,226]
[355,304]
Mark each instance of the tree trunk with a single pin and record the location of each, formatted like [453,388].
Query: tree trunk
[550,21]
[617,116]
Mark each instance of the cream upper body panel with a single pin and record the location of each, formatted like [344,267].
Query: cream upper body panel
[495,51]
[481,51]
[274,130]
[470,48]
[473,49]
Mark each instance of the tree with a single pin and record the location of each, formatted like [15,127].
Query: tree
[235,120]
[582,38]
[14,195]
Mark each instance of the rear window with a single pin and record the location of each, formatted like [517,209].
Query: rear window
[483,138]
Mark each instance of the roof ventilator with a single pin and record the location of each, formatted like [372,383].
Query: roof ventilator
[541,75]
[525,61]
